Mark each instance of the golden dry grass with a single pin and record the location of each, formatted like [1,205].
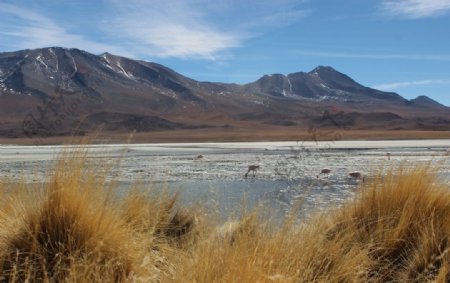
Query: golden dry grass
[74,228]
[397,230]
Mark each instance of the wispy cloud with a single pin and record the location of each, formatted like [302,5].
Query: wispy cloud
[397,85]
[415,9]
[32,30]
[188,29]
[168,29]
[374,56]
[194,28]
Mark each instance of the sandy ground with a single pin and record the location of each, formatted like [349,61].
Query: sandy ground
[213,173]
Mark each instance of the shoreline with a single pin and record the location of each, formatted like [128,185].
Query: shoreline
[240,135]
[440,145]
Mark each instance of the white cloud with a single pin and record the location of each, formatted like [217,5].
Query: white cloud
[194,28]
[397,85]
[415,9]
[375,56]
[32,30]
[189,29]
[167,35]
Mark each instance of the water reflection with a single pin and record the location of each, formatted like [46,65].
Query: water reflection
[275,198]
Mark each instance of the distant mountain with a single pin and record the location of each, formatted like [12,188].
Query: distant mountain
[322,83]
[59,91]
[425,101]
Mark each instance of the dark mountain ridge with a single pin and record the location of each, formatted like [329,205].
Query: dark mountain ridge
[59,89]
[321,83]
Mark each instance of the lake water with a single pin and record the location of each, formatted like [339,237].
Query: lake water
[287,174]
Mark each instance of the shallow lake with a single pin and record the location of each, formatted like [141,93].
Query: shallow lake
[212,174]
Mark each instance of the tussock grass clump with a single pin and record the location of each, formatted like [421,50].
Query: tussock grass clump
[403,224]
[75,228]
[396,230]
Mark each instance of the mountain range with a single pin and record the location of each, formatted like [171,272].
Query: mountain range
[58,91]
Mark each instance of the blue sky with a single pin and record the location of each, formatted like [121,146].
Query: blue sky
[393,45]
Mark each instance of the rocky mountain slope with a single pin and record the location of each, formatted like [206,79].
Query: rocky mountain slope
[58,91]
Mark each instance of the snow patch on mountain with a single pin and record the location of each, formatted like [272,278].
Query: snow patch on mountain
[75,69]
[324,86]
[116,67]
[41,61]
[52,51]
[125,73]
[290,85]
[105,62]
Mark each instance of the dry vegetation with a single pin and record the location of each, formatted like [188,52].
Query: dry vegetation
[74,228]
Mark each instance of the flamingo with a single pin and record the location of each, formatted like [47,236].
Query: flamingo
[356,175]
[252,168]
[325,171]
